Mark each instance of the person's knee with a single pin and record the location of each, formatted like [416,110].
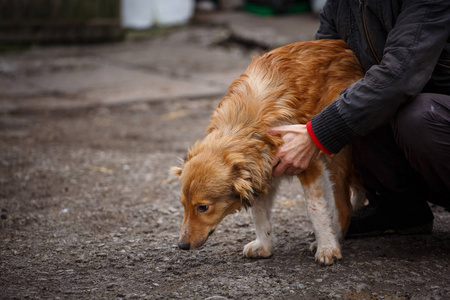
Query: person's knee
[421,130]
[411,124]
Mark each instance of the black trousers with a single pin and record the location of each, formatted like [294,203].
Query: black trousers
[407,163]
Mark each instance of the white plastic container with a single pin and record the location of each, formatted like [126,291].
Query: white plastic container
[173,12]
[137,14]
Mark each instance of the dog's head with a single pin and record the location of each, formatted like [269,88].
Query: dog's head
[214,184]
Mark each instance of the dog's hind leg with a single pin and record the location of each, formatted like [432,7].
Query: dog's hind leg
[358,198]
[261,211]
[316,182]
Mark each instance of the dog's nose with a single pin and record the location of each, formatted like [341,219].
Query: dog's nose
[184,246]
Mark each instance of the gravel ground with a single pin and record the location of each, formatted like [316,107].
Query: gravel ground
[90,210]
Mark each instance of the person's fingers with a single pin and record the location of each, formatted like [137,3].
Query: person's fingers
[288,171]
[298,171]
[275,161]
[280,130]
[273,131]
[291,171]
[279,169]
[292,150]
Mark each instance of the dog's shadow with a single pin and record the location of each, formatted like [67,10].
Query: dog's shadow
[412,248]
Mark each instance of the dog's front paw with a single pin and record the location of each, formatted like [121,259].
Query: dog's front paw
[327,256]
[257,249]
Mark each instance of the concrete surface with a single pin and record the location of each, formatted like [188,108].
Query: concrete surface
[184,64]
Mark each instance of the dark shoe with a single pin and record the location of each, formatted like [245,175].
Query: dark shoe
[375,219]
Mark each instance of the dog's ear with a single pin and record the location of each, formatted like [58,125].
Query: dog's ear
[242,184]
[242,187]
[176,170]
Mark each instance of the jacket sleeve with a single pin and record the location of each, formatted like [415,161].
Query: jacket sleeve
[411,52]
[327,28]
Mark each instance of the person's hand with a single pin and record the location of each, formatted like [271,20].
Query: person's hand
[297,151]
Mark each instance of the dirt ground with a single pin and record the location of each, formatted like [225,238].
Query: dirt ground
[90,210]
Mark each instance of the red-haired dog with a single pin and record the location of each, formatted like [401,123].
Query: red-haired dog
[231,168]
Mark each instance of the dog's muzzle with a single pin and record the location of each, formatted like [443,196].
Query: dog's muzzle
[184,246]
[187,246]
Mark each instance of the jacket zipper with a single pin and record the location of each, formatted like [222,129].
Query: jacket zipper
[361,6]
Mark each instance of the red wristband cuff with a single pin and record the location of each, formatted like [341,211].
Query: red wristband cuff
[316,140]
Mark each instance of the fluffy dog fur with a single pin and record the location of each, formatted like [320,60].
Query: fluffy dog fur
[231,168]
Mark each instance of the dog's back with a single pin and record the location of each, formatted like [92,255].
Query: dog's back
[288,85]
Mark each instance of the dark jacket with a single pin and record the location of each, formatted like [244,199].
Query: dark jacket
[404,48]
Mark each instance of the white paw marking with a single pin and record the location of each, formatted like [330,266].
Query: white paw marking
[327,256]
[257,249]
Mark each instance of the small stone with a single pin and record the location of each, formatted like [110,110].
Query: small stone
[111,285]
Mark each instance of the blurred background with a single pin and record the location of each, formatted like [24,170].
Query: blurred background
[51,21]
[78,53]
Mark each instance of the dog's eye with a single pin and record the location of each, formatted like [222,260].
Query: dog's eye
[202,208]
